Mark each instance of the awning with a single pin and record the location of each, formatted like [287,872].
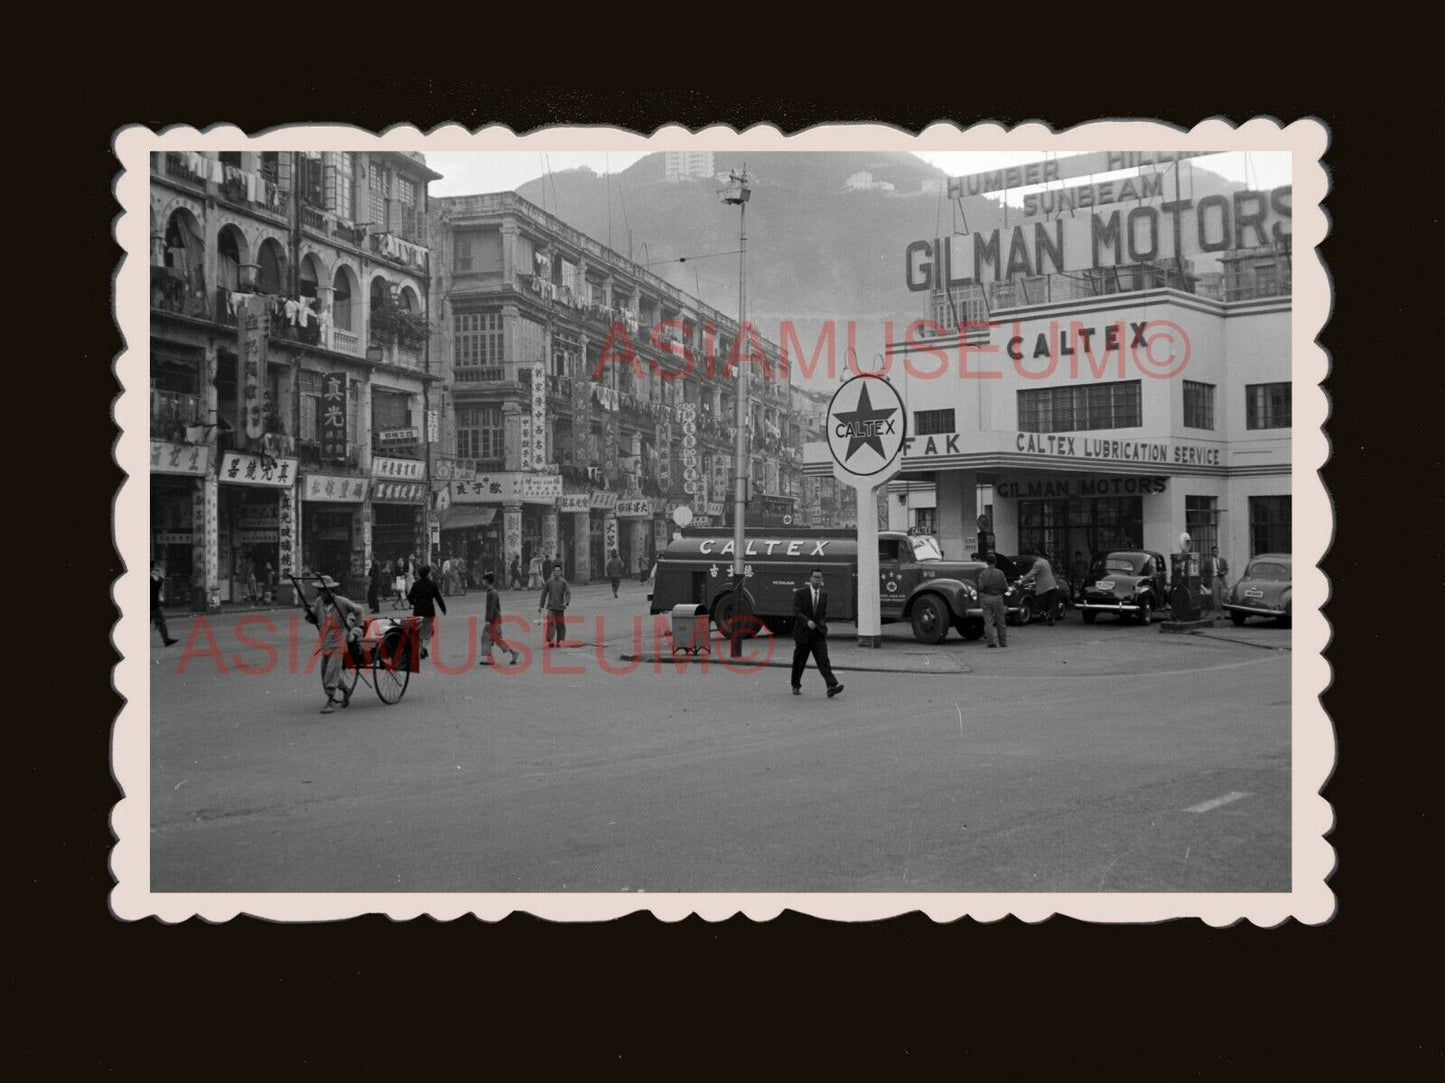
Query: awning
[461,516]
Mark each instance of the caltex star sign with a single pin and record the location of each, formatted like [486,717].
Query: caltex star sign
[866,426]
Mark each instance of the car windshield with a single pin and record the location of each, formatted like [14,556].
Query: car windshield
[925,548]
[1123,564]
[1268,569]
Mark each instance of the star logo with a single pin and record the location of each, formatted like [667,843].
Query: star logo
[865,425]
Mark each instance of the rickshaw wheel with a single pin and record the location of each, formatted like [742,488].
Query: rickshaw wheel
[391,667]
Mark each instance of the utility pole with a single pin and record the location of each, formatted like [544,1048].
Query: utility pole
[737,193]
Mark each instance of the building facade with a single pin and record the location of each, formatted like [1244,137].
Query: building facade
[681,165]
[586,397]
[290,371]
[1102,409]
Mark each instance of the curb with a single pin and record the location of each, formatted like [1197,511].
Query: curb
[847,667]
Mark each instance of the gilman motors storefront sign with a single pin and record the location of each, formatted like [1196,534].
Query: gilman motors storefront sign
[1064,487]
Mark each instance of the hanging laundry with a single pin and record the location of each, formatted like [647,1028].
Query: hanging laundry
[306,315]
[293,309]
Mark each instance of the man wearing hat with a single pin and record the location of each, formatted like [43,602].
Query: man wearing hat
[340,620]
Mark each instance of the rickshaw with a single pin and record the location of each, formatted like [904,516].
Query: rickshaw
[386,648]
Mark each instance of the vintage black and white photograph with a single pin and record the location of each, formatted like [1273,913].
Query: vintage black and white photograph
[854,522]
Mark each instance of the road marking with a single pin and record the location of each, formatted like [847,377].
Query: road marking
[1214,803]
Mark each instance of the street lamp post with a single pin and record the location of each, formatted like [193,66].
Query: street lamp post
[737,193]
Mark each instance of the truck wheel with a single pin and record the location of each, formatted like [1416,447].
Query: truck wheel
[969,629]
[723,614]
[930,620]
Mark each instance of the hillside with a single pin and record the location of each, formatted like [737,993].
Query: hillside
[815,251]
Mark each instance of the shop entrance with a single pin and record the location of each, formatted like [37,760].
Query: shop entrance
[1092,526]
[326,540]
[393,531]
[248,542]
[171,537]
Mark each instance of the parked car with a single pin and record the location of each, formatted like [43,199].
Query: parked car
[1020,603]
[1134,584]
[1264,590]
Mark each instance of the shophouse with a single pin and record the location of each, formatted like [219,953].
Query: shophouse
[290,376]
[586,397]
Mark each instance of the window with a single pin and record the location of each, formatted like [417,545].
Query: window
[1201,519]
[931,422]
[1269,524]
[345,185]
[1267,406]
[477,339]
[925,520]
[406,191]
[377,182]
[479,433]
[1198,405]
[390,411]
[464,253]
[1071,409]
[311,181]
[308,392]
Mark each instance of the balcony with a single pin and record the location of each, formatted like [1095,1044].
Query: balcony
[172,412]
[396,247]
[173,290]
[185,167]
[348,342]
[479,374]
[309,451]
[315,218]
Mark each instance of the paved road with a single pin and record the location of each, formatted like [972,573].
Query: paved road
[1081,759]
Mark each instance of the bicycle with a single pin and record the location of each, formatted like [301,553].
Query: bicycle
[386,649]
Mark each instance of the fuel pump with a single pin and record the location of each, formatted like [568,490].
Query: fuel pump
[1184,576]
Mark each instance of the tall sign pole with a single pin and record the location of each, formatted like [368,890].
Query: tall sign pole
[737,193]
[867,424]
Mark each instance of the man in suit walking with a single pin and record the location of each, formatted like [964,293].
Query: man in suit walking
[1215,570]
[810,633]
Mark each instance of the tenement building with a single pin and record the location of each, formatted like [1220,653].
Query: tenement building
[291,384]
[587,398]
[1101,380]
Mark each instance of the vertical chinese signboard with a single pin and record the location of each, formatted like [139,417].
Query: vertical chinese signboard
[689,450]
[251,349]
[539,418]
[333,417]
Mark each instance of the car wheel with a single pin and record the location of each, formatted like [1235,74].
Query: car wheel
[930,620]
[1146,611]
[1237,617]
[1090,615]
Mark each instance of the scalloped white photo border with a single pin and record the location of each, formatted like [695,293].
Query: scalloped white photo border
[1312,747]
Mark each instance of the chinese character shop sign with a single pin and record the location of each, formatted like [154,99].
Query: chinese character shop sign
[333,417]
[169,458]
[251,319]
[239,468]
[397,492]
[337,489]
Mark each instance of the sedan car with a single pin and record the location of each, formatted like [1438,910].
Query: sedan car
[1263,591]
[1134,584]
